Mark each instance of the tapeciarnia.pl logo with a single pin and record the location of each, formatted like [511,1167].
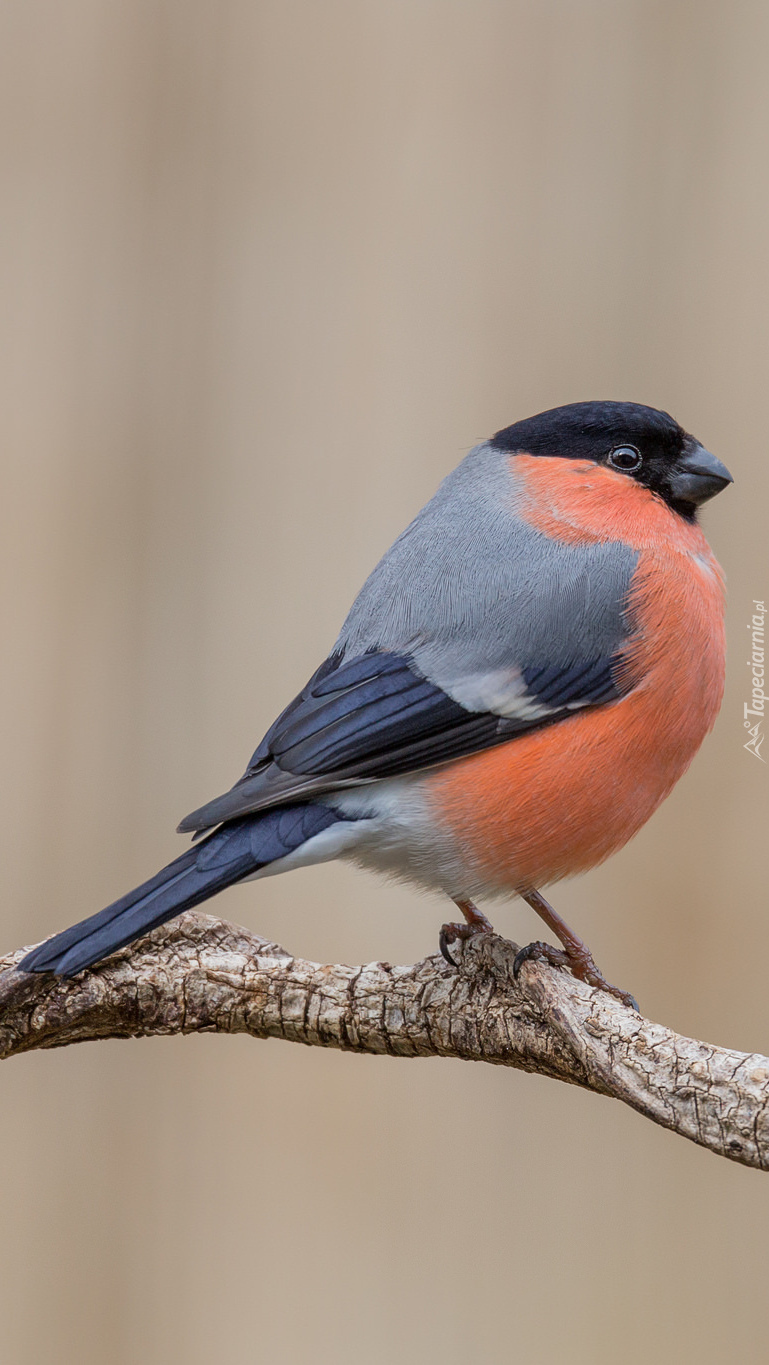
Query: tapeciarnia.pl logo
[755,707]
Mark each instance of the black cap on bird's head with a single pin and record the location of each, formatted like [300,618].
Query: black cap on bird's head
[643,443]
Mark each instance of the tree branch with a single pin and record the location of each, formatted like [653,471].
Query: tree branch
[199,974]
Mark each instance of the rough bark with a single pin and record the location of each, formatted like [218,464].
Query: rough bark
[200,974]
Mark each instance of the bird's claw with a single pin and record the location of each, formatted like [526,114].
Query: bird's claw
[581,965]
[451,932]
[540,952]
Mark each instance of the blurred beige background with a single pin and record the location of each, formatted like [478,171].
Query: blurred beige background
[268,268]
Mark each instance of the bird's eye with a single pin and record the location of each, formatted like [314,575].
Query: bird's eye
[626,458]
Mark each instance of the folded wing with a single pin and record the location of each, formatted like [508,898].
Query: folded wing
[375,717]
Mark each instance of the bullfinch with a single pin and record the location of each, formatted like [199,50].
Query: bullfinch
[520,682]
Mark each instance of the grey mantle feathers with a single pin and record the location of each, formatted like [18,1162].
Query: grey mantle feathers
[201,974]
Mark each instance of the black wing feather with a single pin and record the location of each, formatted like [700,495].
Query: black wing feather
[375,717]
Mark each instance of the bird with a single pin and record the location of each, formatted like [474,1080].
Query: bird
[520,683]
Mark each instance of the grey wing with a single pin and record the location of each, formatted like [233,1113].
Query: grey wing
[474,628]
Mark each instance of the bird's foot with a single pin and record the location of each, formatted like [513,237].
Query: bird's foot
[581,963]
[475,923]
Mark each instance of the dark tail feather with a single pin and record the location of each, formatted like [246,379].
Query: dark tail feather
[228,855]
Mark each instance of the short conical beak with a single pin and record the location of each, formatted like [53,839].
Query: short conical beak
[699,476]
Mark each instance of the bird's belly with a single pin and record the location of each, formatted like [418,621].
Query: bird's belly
[524,814]
[557,802]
